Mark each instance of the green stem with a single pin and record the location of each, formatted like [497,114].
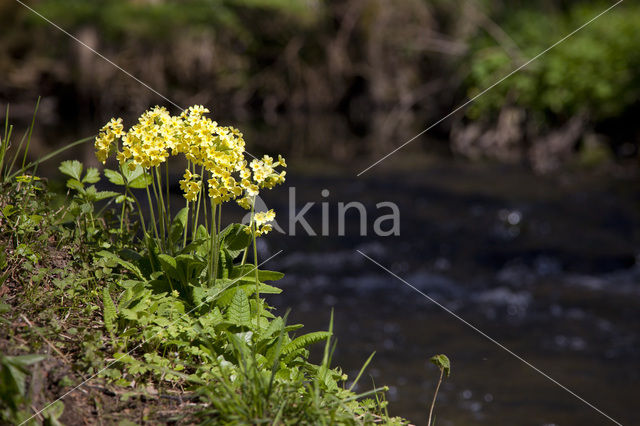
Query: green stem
[195,222]
[48,156]
[186,227]
[124,202]
[160,213]
[166,168]
[433,403]
[153,216]
[164,220]
[217,245]
[246,249]
[128,191]
[255,260]
[33,122]
[212,237]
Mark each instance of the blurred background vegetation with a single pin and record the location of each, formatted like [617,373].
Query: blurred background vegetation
[387,70]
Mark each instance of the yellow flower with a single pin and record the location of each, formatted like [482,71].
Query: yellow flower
[219,149]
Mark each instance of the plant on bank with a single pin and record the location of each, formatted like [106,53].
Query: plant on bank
[186,308]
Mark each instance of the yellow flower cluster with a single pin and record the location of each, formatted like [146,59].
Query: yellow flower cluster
[217,150]
[261,220]
[107,136]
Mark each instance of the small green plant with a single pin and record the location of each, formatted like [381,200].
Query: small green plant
[443,364]
[13,391]
[82,204]
[172,306]
[183,307]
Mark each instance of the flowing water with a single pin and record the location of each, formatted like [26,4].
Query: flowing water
[549,270]
[547,266]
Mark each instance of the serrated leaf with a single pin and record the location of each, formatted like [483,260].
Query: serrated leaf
[274,326]
[114,177]
[75,184]
[105,194]
[71,168]
[304,341]
[92,175]
[239,312]
[110,313]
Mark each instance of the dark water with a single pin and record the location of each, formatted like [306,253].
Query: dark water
[549,267]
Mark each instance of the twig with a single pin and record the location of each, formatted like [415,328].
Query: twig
[63,356]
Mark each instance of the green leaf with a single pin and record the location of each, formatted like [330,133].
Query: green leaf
[274,326]
[239,311]
[177,226]
[235,239]
[75,184]
[25,360]
[305,340]
[169,266]
[136,178]
[92,175]
[14,370]
[110,313]
[127,265]
[8,210]
[141,182]
[245,273]
[202,235]
[114,177]
[71,168]
[442,362]
[105,194]
[227,296]
[52,413]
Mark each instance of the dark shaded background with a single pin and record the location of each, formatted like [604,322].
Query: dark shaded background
[520,212]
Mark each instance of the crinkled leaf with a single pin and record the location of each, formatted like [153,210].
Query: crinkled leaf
[442,362]
[239,312]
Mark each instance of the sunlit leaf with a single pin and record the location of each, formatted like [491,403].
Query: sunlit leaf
[71,168]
